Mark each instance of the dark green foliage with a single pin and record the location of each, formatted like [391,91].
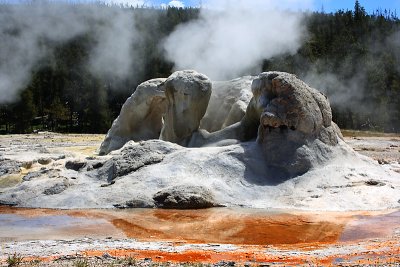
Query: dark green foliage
[14,260]
[81,263]
[353,46]
[23,112]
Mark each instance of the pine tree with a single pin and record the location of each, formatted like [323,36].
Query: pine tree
[24,112]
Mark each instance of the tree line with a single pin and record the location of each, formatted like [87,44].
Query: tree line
[358,52]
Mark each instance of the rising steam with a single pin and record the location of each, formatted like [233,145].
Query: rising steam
[342,92]
[231,38]
[23,28]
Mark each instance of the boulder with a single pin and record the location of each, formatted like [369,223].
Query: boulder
[140,201]
[188,93]
[27,164]
[75,165]
[140,117]
[44,161]
[296,130]
[184,197]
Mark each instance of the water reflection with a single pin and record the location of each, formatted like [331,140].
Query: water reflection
[367,227]
[228,226]
[220,225]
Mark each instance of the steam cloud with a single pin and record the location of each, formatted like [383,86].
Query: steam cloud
[230,39]
[114,53]
[341,92]
[350,92]
[24,27]
[227,40]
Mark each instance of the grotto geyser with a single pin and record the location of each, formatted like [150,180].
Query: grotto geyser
[265,141]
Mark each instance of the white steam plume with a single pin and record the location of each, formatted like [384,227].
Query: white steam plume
[233,37]
[350,92]
[342,93]
[114,53]
[25,27]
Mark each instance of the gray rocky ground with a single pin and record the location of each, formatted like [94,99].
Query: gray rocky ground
[126,181]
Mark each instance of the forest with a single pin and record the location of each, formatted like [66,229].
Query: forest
[350,55]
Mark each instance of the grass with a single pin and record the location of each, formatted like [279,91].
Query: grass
[17,260]
[130,261]
[81,263]
[14,260]
[34,262]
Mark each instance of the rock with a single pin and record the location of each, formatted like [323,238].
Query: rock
[134,156]
[184,197]
[97,165]
[43,170]
[140,117]
[60,157]
[107,185]
[31,176]
[374,183]
[55,189]
[140,201]
[27,164]
[8,203]
[226,263]
[108,171]
[291,121]
[296,130]
[8,166]
[44,161]
[75,165]
[289,103]
[383,161]
[107,256]
[188,93]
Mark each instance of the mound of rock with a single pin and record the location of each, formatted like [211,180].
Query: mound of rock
[296,131]
[140,117]
[187,143]
[188,93]
[190,96]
